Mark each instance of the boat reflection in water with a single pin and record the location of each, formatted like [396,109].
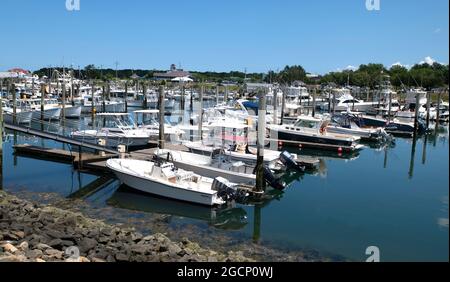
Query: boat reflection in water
[226,218]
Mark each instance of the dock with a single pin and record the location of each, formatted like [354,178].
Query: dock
[96,163]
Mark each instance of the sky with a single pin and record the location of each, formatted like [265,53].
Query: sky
[223,35]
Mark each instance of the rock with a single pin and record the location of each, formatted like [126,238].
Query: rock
[23,246]
[39,260]
[72,260]
[54,253]
[136,236]
[148,238]
[84,259]
[103,239]
[212,259]
[66,243]
[13,258]
[9,248]
[55,243]
[42,246]
[33,254]
[122,257]
[19,234]
[174,250]
[87,244]
[55,233]
[94,259]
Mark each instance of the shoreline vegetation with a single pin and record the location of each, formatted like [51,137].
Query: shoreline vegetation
[427,75]
[36,232]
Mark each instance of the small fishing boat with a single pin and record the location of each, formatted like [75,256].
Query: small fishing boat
[409,109]
[164,179]
[395,126]
[22,115]
[345,124]
[312,132]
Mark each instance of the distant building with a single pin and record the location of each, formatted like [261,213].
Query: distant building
[171,74]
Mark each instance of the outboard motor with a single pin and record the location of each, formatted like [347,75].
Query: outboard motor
[288,161]
[228,191]
[272,180]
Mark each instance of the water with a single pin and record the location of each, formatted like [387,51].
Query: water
[394,198]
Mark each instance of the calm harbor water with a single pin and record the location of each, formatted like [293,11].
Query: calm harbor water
[394,198]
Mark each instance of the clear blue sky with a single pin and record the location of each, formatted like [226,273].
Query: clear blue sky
[222,35]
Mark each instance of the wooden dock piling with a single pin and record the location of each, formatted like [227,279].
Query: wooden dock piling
[283,105]
[428,109]
[161,117]
[92,102]
[13,93]
[200,117]
[260,182]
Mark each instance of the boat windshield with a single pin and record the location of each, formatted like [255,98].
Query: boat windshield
[307,123]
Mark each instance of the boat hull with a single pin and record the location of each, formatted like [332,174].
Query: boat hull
[49,114]
[160,189]
[22,117]
[110,107]
[72,112]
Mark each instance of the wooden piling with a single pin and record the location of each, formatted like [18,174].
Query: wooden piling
[183,97]
[32,86]
[283,105]
[217,94]
[329,102]
[42,101]
[144,92]
[200,118]
[260,182]
[63,110]
[92,102]
[13,93]
[314,102]
[416,116]
[428,109]
[437,109]
[161,117]
[103,98]
[225,97]
[72,101]
[389,106]
[275,105]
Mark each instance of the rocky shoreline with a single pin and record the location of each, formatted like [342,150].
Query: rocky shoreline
[38,233]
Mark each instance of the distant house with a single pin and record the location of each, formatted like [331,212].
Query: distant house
[15,73]
[171,74]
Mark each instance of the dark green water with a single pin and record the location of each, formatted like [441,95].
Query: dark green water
[395,199]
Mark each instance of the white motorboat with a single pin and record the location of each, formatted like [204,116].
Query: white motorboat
[22,115]
[312,132]
[52,109]
[164,179]
[345,124]
[238,152]
[409,109]
[117,129]
[108,106]
[147,119]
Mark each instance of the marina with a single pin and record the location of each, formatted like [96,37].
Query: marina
[238,134]
[321,163]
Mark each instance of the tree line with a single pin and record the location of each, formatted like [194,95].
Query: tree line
[367,75]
